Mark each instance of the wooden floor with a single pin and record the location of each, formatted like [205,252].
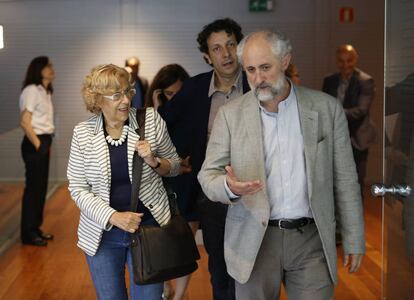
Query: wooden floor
[59,271]
[10,207]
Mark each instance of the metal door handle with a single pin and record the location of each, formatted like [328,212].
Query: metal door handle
[379,190]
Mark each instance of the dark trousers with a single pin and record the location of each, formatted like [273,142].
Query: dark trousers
[360,158]
[34,195]
[212,221]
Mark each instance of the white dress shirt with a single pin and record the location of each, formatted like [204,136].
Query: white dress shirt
[286,181]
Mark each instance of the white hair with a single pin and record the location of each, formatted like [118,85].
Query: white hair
[279,44]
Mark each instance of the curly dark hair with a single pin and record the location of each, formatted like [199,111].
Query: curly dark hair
[228,25]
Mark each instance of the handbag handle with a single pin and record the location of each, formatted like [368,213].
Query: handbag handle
[137,163]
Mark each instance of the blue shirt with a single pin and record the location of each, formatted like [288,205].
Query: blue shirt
[286,181]
[285,168]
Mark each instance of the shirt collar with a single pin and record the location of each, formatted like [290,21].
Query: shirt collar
[344,81]
[41,88]
[237,85]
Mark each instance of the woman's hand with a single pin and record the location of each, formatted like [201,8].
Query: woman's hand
[160,165]
[127,221]
[185,165]
[144,150]
[156,98]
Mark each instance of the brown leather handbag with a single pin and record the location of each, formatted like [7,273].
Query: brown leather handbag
[160,253]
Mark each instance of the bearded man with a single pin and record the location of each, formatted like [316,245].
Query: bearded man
[280,157]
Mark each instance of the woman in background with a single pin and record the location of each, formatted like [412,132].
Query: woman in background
[100,171]
[167,82]
[36,119]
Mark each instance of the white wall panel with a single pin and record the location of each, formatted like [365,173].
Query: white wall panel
[80,34]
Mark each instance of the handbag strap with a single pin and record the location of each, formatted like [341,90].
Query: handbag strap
[137,161]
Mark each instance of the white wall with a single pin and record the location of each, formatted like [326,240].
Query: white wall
[77,35]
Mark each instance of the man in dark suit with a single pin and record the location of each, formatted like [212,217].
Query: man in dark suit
[141,84]
[356,90]
[189,117]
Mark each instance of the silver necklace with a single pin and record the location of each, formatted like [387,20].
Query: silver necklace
[119,141]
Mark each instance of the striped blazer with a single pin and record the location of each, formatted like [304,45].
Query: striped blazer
[89,174]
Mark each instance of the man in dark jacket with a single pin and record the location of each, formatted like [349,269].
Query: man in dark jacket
[141,84]
[189,117]
[356,90]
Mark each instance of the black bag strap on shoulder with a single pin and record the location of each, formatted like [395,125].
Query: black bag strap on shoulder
[141,123]
[137,171]
[137,161]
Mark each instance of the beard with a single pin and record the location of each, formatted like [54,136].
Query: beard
[266,91]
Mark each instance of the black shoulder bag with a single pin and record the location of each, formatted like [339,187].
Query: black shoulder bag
[160,253]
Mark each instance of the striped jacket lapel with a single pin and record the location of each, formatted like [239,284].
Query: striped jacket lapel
[101,149]
[133,137]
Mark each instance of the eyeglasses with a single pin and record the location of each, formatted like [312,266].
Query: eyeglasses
[129,93]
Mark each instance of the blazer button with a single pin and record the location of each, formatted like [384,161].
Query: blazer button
[264,223]
[151,206]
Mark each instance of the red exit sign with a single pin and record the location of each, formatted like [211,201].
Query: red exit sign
[346,14]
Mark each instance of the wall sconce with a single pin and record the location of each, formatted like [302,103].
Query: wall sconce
[1,37]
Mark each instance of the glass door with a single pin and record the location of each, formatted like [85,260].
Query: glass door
[398,200]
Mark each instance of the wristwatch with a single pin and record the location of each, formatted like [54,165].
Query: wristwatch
[158,163]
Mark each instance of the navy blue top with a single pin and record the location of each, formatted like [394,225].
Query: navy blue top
[120,196]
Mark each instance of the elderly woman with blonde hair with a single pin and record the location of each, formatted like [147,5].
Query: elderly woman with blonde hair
[100,171]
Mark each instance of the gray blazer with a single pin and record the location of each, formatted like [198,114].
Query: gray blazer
[333,188]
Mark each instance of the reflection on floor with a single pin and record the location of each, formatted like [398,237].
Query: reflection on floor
[10,206]
[59,270]
[400,250]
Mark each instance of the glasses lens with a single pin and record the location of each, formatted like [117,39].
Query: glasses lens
[117,96]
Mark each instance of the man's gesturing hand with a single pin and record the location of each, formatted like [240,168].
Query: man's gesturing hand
[241,188]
